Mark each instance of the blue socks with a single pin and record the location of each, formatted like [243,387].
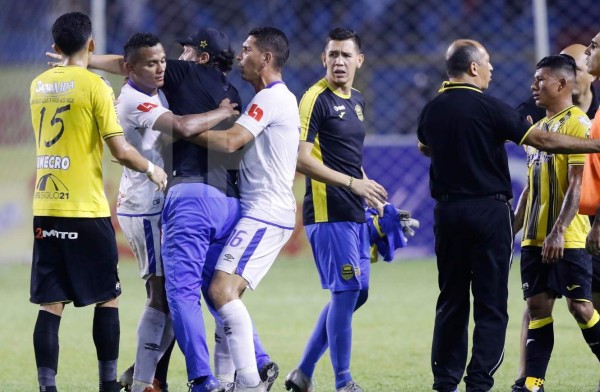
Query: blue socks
[334,330]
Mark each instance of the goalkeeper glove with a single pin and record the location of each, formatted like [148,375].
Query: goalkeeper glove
[407,223]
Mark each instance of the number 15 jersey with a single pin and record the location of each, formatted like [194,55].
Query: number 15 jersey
[72,112]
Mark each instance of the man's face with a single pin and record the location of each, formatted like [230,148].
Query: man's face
[189,53]
[593,56]
[484,69]
[147,71]
[545,87]
[342,59]
[583,79]
[252,60]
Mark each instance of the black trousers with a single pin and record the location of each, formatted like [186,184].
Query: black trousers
[474,247]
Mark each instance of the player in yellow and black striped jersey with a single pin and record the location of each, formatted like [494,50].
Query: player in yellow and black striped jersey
[554,261]
[548,178]
[75,251]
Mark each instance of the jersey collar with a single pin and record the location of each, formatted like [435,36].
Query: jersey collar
[447,85]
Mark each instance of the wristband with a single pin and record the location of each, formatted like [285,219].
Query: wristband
[150,169]
[350,183]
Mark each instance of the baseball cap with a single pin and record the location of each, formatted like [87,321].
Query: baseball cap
[207,39]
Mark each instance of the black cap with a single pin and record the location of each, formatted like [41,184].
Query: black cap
[208,39]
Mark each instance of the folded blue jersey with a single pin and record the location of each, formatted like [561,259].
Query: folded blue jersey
[385,233]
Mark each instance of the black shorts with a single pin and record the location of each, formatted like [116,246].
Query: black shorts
[595,274]
[74,260]
[570,277]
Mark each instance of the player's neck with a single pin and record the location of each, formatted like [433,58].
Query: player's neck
[557,107]
[79,59]
[584,100]
[267,79]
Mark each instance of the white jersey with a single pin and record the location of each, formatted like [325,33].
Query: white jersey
[268,166]
[137,114]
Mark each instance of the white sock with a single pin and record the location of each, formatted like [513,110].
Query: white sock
[237,323]
[224,367]
[150,335]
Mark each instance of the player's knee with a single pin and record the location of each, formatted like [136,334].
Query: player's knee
[582,311]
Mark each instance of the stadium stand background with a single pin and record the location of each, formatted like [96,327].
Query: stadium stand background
[403,41]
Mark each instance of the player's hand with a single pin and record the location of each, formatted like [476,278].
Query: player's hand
[592,242]
[373,193]
[553,248]
[159,177]
[56,59]
[230,107]
[408,223]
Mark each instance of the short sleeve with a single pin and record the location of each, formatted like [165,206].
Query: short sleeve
[258,114]
[311,115]
[105,113]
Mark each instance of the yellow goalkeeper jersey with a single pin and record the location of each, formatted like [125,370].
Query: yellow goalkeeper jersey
[72,112]
[549,181]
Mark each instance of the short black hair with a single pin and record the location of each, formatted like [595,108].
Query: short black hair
[342,34]
[271,39]
[71,32]
[559,62]
[137,41]
[460,61]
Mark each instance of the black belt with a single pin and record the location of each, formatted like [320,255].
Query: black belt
[495,196]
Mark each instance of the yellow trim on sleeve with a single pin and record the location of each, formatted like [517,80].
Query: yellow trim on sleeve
[319,189]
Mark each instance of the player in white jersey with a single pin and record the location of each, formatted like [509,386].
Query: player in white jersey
[270,130]
[143,112]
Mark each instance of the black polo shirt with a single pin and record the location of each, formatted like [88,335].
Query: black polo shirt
[465,131]
[193,88]
[529,108]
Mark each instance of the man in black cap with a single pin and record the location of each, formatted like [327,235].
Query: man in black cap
[208,46]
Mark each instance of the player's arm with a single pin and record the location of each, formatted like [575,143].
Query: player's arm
[520,210]
[129,157]
[373,193]
[112,63]
[560,143]
[193,124]
[229,140]
[554,244]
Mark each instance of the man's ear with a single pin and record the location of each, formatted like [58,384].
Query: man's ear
[473,68]
[129,66]
[361,59]
[91,45]
[323,59]
[562,83]
[203,58]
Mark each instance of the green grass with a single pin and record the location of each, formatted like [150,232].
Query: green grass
[392,333]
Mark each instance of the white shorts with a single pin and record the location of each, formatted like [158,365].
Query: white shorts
[251,249]
[143,234]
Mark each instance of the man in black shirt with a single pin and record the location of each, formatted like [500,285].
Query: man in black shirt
[464,131]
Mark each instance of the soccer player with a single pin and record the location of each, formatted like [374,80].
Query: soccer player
[330,155]
[554,261]
[75,252]
[269,129]
[586,98]
[144,114]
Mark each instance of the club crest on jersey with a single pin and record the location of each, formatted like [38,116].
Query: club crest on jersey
[347,271]
[359,112]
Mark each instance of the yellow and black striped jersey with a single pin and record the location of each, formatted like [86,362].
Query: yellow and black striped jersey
[549,181]
[334,123]
[72,112]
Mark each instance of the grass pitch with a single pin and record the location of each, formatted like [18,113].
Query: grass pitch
[392,332]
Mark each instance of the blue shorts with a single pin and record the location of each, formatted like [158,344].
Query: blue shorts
[341,252]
